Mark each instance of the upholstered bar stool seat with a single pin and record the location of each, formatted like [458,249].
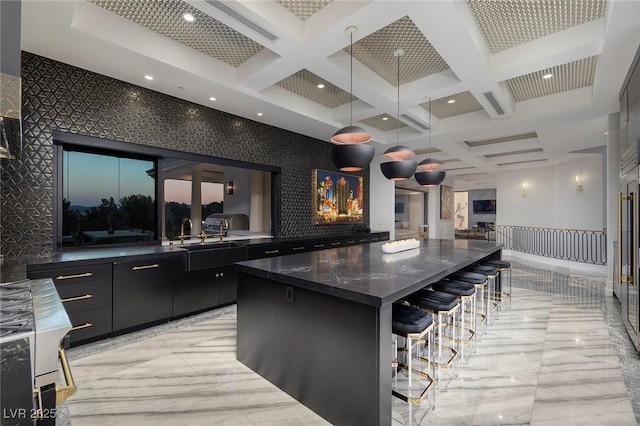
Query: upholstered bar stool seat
[443,306]
[465,293]
[481,281]
[502,266]
[414,325]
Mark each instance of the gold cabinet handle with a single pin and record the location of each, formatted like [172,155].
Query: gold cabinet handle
[73,299]
[64,392]
[337,243]
[140,268]
[620,237]
[80,327]
[318,245]
[350,242]
[271,251]
[298,248]
[70,277]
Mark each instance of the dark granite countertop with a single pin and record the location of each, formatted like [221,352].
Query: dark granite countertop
[14,268]
[364,274]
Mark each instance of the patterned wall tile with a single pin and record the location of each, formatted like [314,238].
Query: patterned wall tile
[61,97]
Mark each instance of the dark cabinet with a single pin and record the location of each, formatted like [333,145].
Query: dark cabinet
[227,285]
[194,292]
[142,291]
[86,293]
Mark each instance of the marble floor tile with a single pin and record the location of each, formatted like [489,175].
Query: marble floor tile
[558,356]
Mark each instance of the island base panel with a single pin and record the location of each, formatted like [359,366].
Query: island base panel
[330,354]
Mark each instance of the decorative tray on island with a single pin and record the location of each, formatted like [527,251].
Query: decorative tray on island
[400,245]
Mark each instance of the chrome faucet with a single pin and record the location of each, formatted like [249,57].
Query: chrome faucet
[182,236]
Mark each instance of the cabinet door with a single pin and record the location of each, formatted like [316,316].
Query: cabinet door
[195,291]
[228,285]
[142,292]
[624,110]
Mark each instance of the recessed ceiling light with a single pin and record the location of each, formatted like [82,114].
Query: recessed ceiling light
[385,118]
[320,86]
[211,98]
[259,114]
[188,17]
[549,75]
[148,77]
[450,101]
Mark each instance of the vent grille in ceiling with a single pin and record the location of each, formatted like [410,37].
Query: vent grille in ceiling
[463,103]
[503,139]
[379,122]
[494,103]
[522,151]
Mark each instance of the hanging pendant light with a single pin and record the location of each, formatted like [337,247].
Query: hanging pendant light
[430,164]
[428,173]
[351,134]
[400,168]
[351,157]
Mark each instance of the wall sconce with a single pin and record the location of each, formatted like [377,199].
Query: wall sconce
[578,183]
[230,187]
[525,185]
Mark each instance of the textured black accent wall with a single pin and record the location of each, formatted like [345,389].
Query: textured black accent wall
[61,97]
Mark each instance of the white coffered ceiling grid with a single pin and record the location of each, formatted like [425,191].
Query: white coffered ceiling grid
[481,62]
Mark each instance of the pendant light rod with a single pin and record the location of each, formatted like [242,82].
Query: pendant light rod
[351,134]
[397,53]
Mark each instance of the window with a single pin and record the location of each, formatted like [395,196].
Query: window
[107,198]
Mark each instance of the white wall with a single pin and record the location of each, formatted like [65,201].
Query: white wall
[439,228]
[416,211]
[552,200]
[382,199]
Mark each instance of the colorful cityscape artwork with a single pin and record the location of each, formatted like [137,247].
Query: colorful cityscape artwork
[338,198]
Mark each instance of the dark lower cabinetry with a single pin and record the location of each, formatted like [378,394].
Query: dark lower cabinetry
[142,291]
[85,292]
[198,291]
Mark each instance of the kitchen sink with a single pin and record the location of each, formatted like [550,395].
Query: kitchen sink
[214,255]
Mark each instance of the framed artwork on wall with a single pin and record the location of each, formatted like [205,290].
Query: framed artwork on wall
[446,202]
[337,198]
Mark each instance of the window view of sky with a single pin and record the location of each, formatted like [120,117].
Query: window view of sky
[179,191]
[88,178]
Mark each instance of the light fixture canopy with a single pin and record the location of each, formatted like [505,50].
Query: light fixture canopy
[351,134]
[230,187]
[432,178]
[351,157]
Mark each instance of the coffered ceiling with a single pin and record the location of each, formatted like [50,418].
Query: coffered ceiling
[504,84]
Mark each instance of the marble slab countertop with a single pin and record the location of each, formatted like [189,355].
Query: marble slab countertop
[365,274]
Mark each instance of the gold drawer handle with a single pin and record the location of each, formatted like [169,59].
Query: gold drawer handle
[69,277]
[80,327]
[350,242]
[364,240]
[271,251]
[140,268]
[73,299]
[318,245]
[64,392]
[336,244]
[298,248]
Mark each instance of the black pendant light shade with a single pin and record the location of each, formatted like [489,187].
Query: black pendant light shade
[351,157]
[351,135]
[398,170]
[430,178]
[398,153]
[430,164]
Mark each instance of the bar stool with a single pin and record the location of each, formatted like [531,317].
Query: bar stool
[502,266]
[479,280]
[443,306]
[466,294]
[492,274]
[417,328]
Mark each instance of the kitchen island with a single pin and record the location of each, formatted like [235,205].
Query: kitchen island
[318,324]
